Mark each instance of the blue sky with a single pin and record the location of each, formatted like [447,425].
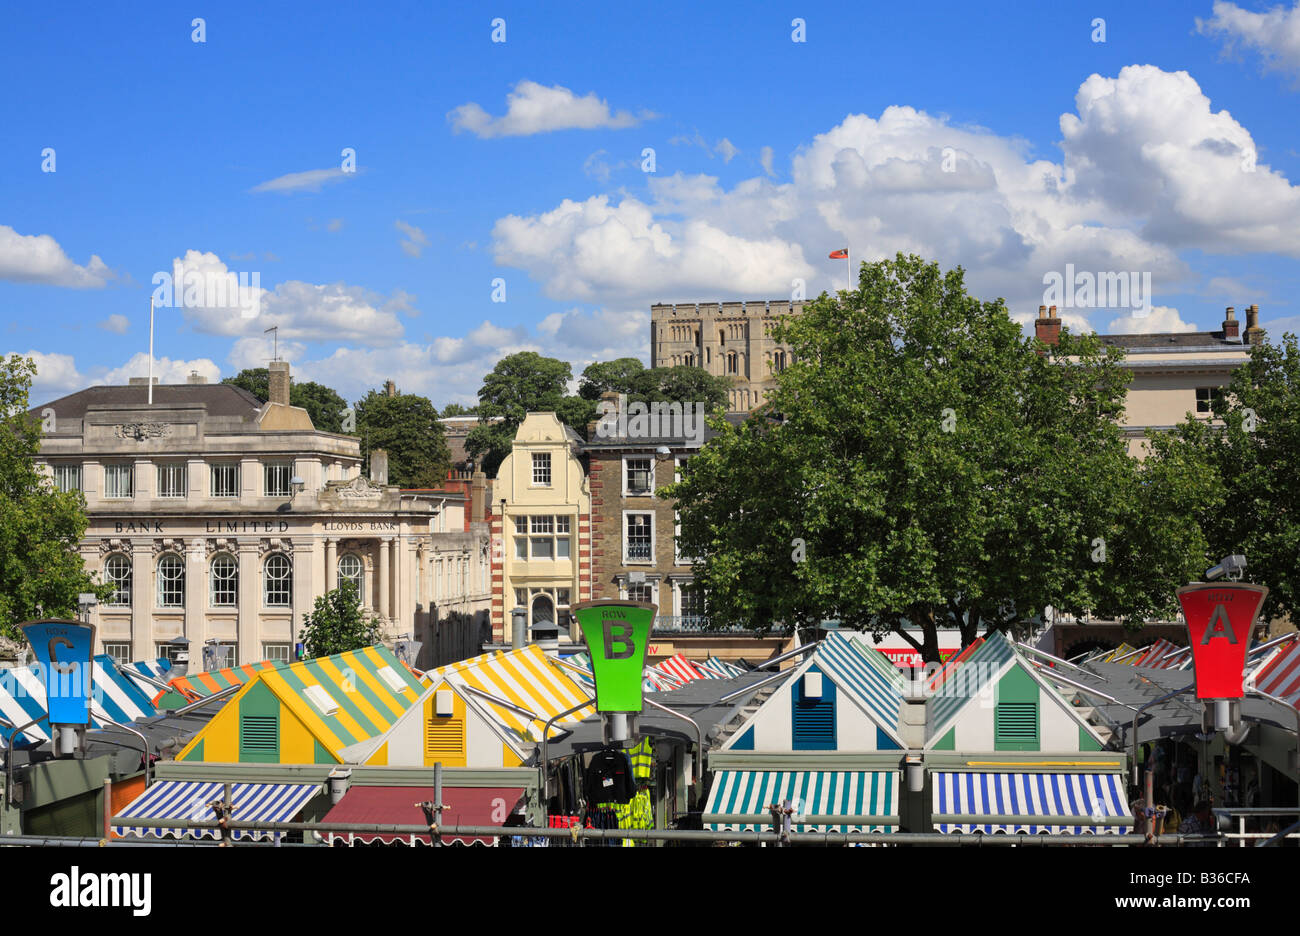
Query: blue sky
[1001,137]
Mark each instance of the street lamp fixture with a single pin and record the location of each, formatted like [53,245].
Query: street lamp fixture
[1230,567]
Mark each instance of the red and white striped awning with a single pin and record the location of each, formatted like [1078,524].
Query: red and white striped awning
[1280,676]
[681,668]
[1157,655]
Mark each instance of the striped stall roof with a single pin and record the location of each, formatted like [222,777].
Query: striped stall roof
[366,705]
[681,668]
[1154,655]
[1031,795]
[846,661]
[718,668]
[155,669]
[880,661]
[201,685]
[826,799]
[967,681]
[114,696]
[950,665]
[528,679]
[654,680]
[188,800]
[1123,650]
[1280,676]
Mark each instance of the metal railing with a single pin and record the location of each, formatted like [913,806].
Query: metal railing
[693,624]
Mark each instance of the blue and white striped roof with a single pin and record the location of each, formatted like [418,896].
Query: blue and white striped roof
[968,680]
[1031,795]
[846,661]
[189,799]
[739,799]
[115,697]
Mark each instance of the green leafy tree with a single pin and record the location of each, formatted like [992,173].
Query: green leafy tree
[458,409]
[934,467]
[522,383]
[41,571]
[336,624]
[1255,453]
[256,380]
[406,426]
[322,403]
[680,384]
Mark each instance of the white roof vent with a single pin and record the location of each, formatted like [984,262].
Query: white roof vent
[321,699]
[393,679]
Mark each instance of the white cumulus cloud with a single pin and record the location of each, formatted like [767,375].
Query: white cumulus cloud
[38,258]
[533,108]
[1274,34]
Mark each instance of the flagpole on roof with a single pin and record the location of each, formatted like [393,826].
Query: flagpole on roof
[151,350]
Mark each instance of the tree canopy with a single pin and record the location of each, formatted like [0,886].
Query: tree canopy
[520,384]
[1255,457]
[41,570]
[641,384]
[406,426]
[322,403]
[931,465]
[337,624]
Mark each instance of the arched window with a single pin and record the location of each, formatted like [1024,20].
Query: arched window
[688,360]
[732,362]
[117,570]
[171,581]
[352,570]
[277,577]
[778,361]
[223,581]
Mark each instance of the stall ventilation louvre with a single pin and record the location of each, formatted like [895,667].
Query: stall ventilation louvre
[1016,721]
[444,737]
[259,734]
[391,677]
[815,721]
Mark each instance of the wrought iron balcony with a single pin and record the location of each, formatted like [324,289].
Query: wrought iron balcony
[692,624]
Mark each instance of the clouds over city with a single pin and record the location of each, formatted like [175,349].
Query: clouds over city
[38,258]
[1148,167]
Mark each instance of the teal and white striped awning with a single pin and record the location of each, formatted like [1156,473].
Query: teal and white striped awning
[824,800]
[1033,803]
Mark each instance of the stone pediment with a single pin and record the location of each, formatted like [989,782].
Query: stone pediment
[359,492]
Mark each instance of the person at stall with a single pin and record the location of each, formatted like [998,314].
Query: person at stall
[1200,822]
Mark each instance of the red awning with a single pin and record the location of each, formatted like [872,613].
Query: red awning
[394,805]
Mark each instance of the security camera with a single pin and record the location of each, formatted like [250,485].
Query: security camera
[1231,567]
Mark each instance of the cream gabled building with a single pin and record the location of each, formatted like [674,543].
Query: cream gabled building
[541,528]
[221,518]
[1174,373]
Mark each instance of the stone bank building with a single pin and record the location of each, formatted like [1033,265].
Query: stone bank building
[220,518]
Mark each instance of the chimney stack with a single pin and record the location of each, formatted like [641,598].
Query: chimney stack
[196,378]
[1047,328]
[278,382]
[1231,325]
[1254,334]
[379,467]
[477,496]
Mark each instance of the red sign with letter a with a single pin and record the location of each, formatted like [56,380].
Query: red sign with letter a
[1220,619]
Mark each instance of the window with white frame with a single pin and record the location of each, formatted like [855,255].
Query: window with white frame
[542,469]
[680,472]
[276,475]
[223,581]
[275,652]
[225,479]
[560,600]
[120,652]
[119,480]
[167,650]
[171,581]
[521,597]
[690,603]
[352,569]
[543,536]
[67,477]
[277,581]
[638,537]
[642,591]
[117,571]
[638,476]
[173,480]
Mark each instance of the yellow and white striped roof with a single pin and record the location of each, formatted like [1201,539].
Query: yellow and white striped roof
[526,678]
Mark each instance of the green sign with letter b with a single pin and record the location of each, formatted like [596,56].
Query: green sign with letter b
[617,635]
